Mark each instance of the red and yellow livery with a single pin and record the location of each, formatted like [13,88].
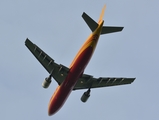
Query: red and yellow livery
[73,78]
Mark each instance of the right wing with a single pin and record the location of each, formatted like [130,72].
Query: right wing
[58,72]
[87,81]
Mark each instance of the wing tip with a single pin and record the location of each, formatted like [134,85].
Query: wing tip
[27,41]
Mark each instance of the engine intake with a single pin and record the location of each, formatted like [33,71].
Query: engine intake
[46,82]
[85,96]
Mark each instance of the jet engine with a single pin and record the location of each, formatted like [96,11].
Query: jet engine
[85,95]
[46,82]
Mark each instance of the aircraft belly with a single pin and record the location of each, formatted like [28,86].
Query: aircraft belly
[81,63]
[63,91]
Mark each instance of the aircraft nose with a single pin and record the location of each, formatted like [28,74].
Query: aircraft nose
[52,110]
[50,113]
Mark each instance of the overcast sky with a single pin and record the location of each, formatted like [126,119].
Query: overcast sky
[58,28]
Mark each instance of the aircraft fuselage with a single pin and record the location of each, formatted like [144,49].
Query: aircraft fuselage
[76,70]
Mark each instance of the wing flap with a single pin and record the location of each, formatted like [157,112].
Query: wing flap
[58,72]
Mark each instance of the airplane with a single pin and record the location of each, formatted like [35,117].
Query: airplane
[73,78]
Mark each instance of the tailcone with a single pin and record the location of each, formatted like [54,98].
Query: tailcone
[99,28]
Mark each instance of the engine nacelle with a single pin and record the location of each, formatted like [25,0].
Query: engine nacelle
[46,82]
[85,96]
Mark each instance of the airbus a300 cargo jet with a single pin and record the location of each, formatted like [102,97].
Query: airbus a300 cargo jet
[73,77]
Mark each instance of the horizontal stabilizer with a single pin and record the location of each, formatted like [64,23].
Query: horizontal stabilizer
[90,22]
[109,29]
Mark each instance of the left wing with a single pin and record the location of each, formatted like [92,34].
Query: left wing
[87,81]
[58,72]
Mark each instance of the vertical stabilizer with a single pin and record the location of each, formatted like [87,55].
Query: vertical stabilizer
[102,14]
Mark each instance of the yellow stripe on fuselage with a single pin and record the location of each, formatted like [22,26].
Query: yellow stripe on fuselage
[90,42]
